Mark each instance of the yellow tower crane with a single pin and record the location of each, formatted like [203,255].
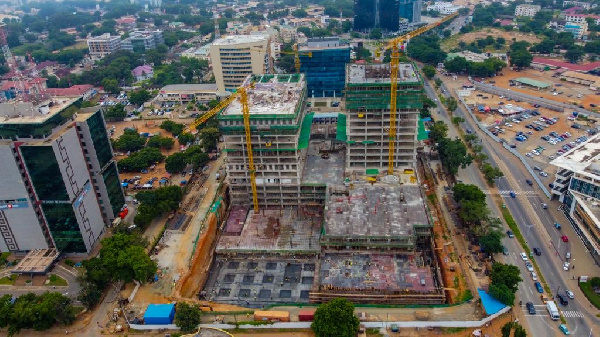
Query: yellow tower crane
[394,44]
[242,93]
[296,54]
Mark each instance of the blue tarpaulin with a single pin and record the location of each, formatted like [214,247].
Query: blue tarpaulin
[124,184]
[426,119]
[490,304]
[159,314]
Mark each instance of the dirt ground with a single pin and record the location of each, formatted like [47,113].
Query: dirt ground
[452,42]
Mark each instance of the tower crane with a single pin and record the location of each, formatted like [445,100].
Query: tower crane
[242,93]
[296,54]
[394,44]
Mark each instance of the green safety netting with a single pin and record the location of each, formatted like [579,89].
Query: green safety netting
[372,172]
[367,142]
[422,134]
[305,131]
[341,128]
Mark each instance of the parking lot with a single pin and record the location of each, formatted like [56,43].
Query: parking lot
[539,134]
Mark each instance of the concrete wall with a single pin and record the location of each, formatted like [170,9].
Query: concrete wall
[19,227]
[75,174]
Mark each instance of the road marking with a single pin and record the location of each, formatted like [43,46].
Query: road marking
[527,315]
[572,314]
[507,192]
[529,288]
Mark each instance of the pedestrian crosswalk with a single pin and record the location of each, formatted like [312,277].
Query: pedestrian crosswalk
[573,314]
[506,193]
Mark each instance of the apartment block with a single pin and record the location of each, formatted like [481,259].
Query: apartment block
[185,93]
[236,57]
[444,8]
[527,10]
[103,45]
[324,60]
[579,30]
[280,130]
[582,4]
[140,41]
[367,102]
[60,186]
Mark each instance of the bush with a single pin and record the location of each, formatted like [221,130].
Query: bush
[590,294]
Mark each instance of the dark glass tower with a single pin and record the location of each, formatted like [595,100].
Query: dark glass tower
[369,14]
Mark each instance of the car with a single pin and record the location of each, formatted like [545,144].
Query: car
[529,155]
[504,250]
[545,206]
[530,308]
[564,238]
[529,266]
[524,256]
[508,124]
[537,251]
[569,294]
[529,182]
[568,255]
[566,266]
[564,329]
[510,234]
[394,328]
[512,194]
[539,288]
[562,299]
[543,174]
[534,276]
[557,225]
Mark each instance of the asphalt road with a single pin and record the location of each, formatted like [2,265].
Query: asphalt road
[539,233]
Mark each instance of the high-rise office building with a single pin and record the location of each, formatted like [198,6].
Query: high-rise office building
[369,14]
[60,185]
[323,61]
[235,57]
[411,10]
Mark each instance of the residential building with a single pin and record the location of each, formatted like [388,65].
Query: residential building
[584,5]
[323,61]
[527,10]
[370,14]
[140,41]
[60,186]
[581,18]
[287,34]
[367,101]
[185,93]
[577,186]
[411,10]
[444,8]
[143,72]
[202,52]
[103,45]
[85,91]
[579,30]
[235,57]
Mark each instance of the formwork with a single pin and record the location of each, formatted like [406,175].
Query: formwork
[367,101]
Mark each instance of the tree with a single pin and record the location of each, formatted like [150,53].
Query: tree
[161,142]
[110,85]
[491,242]
[139,97]
[574,54]
[491,173]
[502,293]
[176,162]
[457,120]
[335,318]
[209,138]
[124,257]
[506,328]
[438,131]
[469,192]
[429,71]
[453,154]
[141,159]
[595,282]
[299,13]
[187,316]
[451,104]
[116,113]
[129,141]
[174,128]
[185,138]
[520,58]
[506,274]
[457,65]
[375,34]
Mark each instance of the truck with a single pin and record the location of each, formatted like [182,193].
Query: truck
[552,310]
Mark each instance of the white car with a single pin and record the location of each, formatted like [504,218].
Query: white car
[566,265]
[555,94]
[529,155]
[569,293]
[534,276]
[543,174]
[529,266]
[509,125]
[524,256]
[579,95]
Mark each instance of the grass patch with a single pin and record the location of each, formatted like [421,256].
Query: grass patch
[432,198]
[8,280]
[255,323]
[56,280]
[453,330]
[466,296]
[373,332]
[589,293]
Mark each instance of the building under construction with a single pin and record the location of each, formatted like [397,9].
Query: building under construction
[368,116]
[322,230]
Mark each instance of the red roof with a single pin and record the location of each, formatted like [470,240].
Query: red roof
[571,66]
[572,10]
[75,90]
[7,85]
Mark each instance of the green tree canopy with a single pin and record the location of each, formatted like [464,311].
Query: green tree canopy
[520,58]
[130,140]
[429,71]
[438,131]
[335,318]
[176,162]
[116,113]
[141,159]
[139,97]
[187,316]
[491,242]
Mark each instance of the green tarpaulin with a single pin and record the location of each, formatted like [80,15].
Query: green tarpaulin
[372,172]
[422,133]
[305,131]
[341,128]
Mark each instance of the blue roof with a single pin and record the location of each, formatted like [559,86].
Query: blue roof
[490,304]
[159,313]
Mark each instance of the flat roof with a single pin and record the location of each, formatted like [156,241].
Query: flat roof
[27,113]
[583,159]
[319,170]
[277,94]
[378,210]
[189,87]
[37,261]
[379,73]
[237,39]
[532,82]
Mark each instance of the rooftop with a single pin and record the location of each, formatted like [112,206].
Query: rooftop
[531,82]
[319,170]
[571,66]
[37,261]
[323,43]
[27,113]
[583,159]
[189,87]
[388,209]
[592,209]
[379,73]
[272,94]
[238,39]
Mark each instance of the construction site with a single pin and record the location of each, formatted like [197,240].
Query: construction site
[311,217]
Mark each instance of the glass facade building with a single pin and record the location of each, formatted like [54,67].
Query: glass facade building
[325,71]
[369,14]
[100,138]
[410,10]
[113,187]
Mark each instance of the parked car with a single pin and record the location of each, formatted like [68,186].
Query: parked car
[539,288]
[529,266]
[543,174]
[524,256]
[566,266]
[504,250]
[529,182]
[534,276]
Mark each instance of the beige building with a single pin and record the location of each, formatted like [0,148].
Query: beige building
[103,45]
[185,93]
[236,57]
[527,10]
